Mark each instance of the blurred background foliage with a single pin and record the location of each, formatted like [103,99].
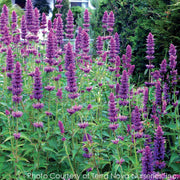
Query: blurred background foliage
[134,20]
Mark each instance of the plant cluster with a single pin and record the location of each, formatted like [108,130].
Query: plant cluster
[66,114]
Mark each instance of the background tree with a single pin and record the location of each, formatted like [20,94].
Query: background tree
[42,5]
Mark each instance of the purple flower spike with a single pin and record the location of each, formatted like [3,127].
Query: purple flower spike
[59,31]
[43,21]
[99,45]
[9,60]
[50,50]
[147,164]
[124,88]
[159,149]
[163,66]
[150,47]
[112,52]
[112,108]
[2,23]
[110,22]
[37,93]
[117,41]
[105,19]
[86,20]
[146,97]
[69,57]
[136,119]
[70,26]
[61,126]
[158,93]
[29,14]
[172,50]
[6,13]
[49,25]
[17,83]
[23,27]
[35,29]
[6,36]
[71,79]
[85,41]
[14,20]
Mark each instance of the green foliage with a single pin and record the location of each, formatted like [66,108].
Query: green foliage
[42,5]
[7,2]
[77,11]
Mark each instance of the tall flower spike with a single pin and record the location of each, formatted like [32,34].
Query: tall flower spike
[43,21]
[69,25]
[17,83]
[158,93]
[172,50]
[110,22]
[59,31]
[71,82]
[112,108]
[69,57]
[14,20]
[49,25]
[55,24]
[117,41]
[146,96]
[6,36]
[50,51]
[159,149]
[29,14]
[99,45]
[85,41]
[105,19]
[61,126]
[136,119]
[2,23]
[147,164]
[163,66]
[86,20]
[36,21]
[150,47]
[23,27]
[124,88]
[112,52]
[9,60]
[37,93]
[6,13]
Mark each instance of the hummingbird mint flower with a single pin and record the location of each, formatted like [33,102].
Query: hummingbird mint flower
[159,149]
[70,25]
[147,164]
[37,93]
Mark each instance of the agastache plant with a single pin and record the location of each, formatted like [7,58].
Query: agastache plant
[159,149]
[29,15]
[70,25]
